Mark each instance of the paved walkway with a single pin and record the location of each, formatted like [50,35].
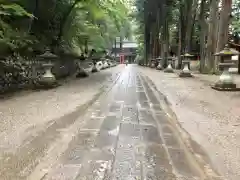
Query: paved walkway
[123,134]
[126,137]
[210,117]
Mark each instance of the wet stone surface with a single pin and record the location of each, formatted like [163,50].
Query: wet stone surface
[180,162]
[162,118]
[166,129]
[126,137]
[115,107]
[171,141]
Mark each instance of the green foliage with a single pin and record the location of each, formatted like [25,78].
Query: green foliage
[13,10]
[96,23]
[236,19]
[11,38]
[73,24]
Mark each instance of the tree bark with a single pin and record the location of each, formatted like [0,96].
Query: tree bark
[179,46]
[223,26]
[203,27]
[212,36]
[180,35]
[63,22]
[165,43]
[192,6]
[147,43]
[34,14]
[157,34]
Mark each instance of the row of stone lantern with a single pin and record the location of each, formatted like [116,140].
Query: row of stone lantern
[48,79]
[169,68]
[225,82]
[170,60]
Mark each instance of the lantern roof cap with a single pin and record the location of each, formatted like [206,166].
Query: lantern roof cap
[187,55]
[227,52]
[48,54]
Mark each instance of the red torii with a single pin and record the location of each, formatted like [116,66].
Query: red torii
[121,58]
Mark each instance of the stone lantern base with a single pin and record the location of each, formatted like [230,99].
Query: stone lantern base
[225,83]
[152,65]
[105,65]
[219,86]
[185,74]
[94,69]
[169,69]
[82,73]
[43,84]
[159,67]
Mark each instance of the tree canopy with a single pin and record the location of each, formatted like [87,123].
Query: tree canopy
[69,25]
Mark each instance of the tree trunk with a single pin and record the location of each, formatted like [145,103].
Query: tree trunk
[202,34]
[238,64]
[223,26]
[34,14]
[179,46]
[190,22]
[158,48]
[192,30]
[63,22]
[184,14]
[147,42]
[162,46]
[157,34]
[180,35]
[165,43]
[86,46]
[211,36]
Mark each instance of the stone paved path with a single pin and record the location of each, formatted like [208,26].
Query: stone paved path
[126,136]
[123,135]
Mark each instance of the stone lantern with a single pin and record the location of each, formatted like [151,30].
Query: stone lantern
[186,63]
[95,59]
[152,64]
[105,63]
[48,79]
[159,66]
[94,68]
[169,68]
[81,72]
[226,82]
